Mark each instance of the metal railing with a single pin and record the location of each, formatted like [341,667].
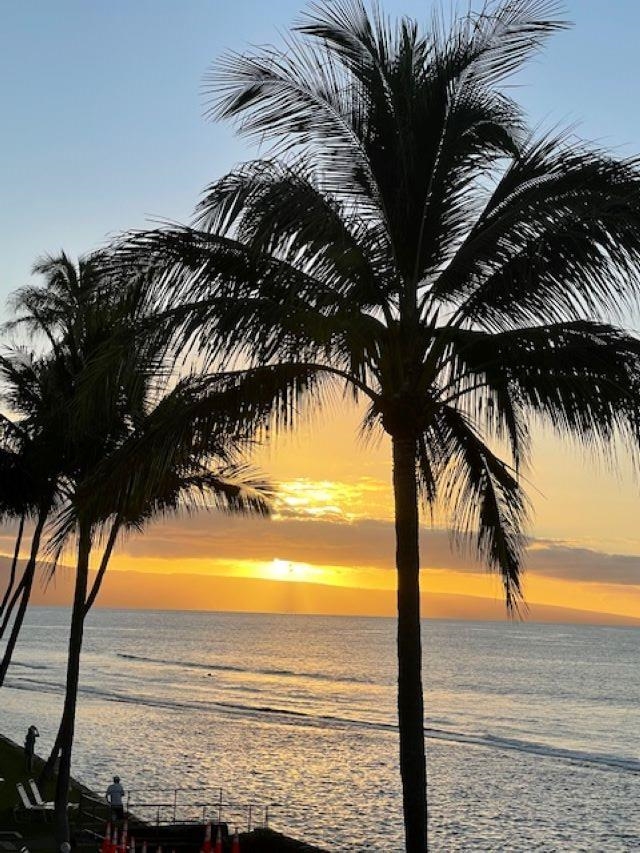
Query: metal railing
[164,806]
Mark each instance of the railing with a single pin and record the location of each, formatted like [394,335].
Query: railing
[162,806]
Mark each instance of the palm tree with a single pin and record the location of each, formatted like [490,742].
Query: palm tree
[135,441]
[31,448]
[410,239]
[14,503]
[181,455]
[72,407]
[38,391]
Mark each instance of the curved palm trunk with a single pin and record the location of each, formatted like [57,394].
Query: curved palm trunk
[106,556]
[12,604]
[14,563]
[413,769]
[47,770]
[26,584]
[73,676]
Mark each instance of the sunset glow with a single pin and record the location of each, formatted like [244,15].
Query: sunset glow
[333,537]
[285,570]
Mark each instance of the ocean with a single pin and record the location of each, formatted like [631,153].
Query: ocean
[532,730]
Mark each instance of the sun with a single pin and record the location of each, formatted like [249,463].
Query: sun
[286,570]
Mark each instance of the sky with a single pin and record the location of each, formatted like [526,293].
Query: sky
[104,130]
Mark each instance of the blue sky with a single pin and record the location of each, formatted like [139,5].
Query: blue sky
[102,107]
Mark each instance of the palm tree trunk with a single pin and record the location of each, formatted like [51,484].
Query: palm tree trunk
[73,676]
[14,600]
[47,771]
[106,556]
[26,583]
[14,563]
[413,770]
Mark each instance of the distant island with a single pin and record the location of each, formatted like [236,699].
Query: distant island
[150,591]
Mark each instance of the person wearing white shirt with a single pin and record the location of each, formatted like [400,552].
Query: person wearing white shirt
[115,793]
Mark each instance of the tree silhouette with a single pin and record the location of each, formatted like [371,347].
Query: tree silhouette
[410,239]
[130,440]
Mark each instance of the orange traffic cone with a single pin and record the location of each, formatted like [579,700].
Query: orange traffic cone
[235,844]
[206,847]
[218,847]
[105,847]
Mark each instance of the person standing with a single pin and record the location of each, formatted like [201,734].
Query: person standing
[30,746]
[115,793]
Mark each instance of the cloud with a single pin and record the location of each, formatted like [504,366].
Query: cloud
[323,524]
[567,562]
[370,543]
[338,501]
[362,542]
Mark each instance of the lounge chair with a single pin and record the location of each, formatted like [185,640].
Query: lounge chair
[37,796]
[31,808]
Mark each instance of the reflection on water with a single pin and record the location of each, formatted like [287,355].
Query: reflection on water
[532,729]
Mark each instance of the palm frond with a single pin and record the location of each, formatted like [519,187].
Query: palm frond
[482,496]
[279,210]
[559,238]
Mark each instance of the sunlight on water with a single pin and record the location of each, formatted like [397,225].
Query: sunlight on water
[531,729]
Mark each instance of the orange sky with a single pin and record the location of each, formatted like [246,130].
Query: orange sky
[332,530]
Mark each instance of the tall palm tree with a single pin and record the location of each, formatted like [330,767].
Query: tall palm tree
[180,456]
[135,441]
[38,391]
[409,238]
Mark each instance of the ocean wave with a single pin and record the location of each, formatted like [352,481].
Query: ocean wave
[261,712]
[24,683]
[278,673]
[288,716]
[576,756]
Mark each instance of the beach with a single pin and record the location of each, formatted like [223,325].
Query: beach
[531,728]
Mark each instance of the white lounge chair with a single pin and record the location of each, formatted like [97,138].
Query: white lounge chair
[28,806]
[37,796]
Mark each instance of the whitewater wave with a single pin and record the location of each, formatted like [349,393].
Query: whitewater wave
[261,712]
[603,760]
